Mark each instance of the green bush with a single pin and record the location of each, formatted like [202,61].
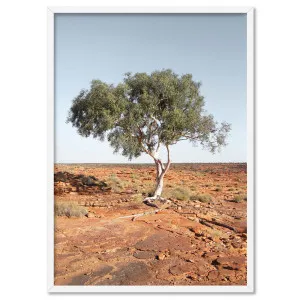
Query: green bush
[69,209]
[205,198]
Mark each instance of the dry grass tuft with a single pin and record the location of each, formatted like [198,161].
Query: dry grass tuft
[179,193]
[205,198]
[116,183]
[137,198]
[239,198]
[69,209]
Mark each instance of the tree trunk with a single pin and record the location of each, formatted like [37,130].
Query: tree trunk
[161,170]
[158,171]
[159,186]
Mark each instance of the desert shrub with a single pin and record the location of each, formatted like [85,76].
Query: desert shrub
[69,209]
[142,187]
[137,187]
[218,189]
[137,198]
[148,189]
[116,183]
[193,188]
[205,198]
[230,190]
[239,198]
[179,193]
[134,183]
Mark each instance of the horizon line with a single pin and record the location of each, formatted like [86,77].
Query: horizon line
[144,163]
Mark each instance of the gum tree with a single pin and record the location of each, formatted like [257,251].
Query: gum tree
[145,113]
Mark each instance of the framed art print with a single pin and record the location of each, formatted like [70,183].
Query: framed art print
[150,149]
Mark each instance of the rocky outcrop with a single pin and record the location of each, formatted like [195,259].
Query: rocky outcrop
[65,182]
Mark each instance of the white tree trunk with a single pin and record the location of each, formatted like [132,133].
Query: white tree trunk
[158,172]
[159,186]
[161,170]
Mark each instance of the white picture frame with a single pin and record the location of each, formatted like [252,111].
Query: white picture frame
[249,11]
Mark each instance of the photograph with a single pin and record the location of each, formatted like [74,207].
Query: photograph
[152,151]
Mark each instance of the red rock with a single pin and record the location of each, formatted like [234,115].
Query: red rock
[164,240]
[144,254]
[161,256]
[193,276]
[212,275]
[115,239]
[231,263]
[90,215]
[182,268]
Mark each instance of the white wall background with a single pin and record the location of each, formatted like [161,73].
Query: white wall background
[23,151]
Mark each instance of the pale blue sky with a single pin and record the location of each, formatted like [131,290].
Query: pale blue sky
[212,47]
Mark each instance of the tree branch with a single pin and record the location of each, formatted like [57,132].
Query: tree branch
[158,146]
[161,165]
[169,160]
[158,123]
[140,137]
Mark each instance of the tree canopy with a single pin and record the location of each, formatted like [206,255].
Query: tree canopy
[147,111]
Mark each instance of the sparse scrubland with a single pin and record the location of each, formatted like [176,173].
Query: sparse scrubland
[106,235]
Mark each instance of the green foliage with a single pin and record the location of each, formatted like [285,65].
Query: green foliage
[205,198]
[145,111]
[69,209]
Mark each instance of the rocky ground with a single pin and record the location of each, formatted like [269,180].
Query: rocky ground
[121,241]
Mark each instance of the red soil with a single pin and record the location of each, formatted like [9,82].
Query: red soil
[187,243]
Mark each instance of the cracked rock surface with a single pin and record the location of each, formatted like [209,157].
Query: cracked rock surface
[188,243]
